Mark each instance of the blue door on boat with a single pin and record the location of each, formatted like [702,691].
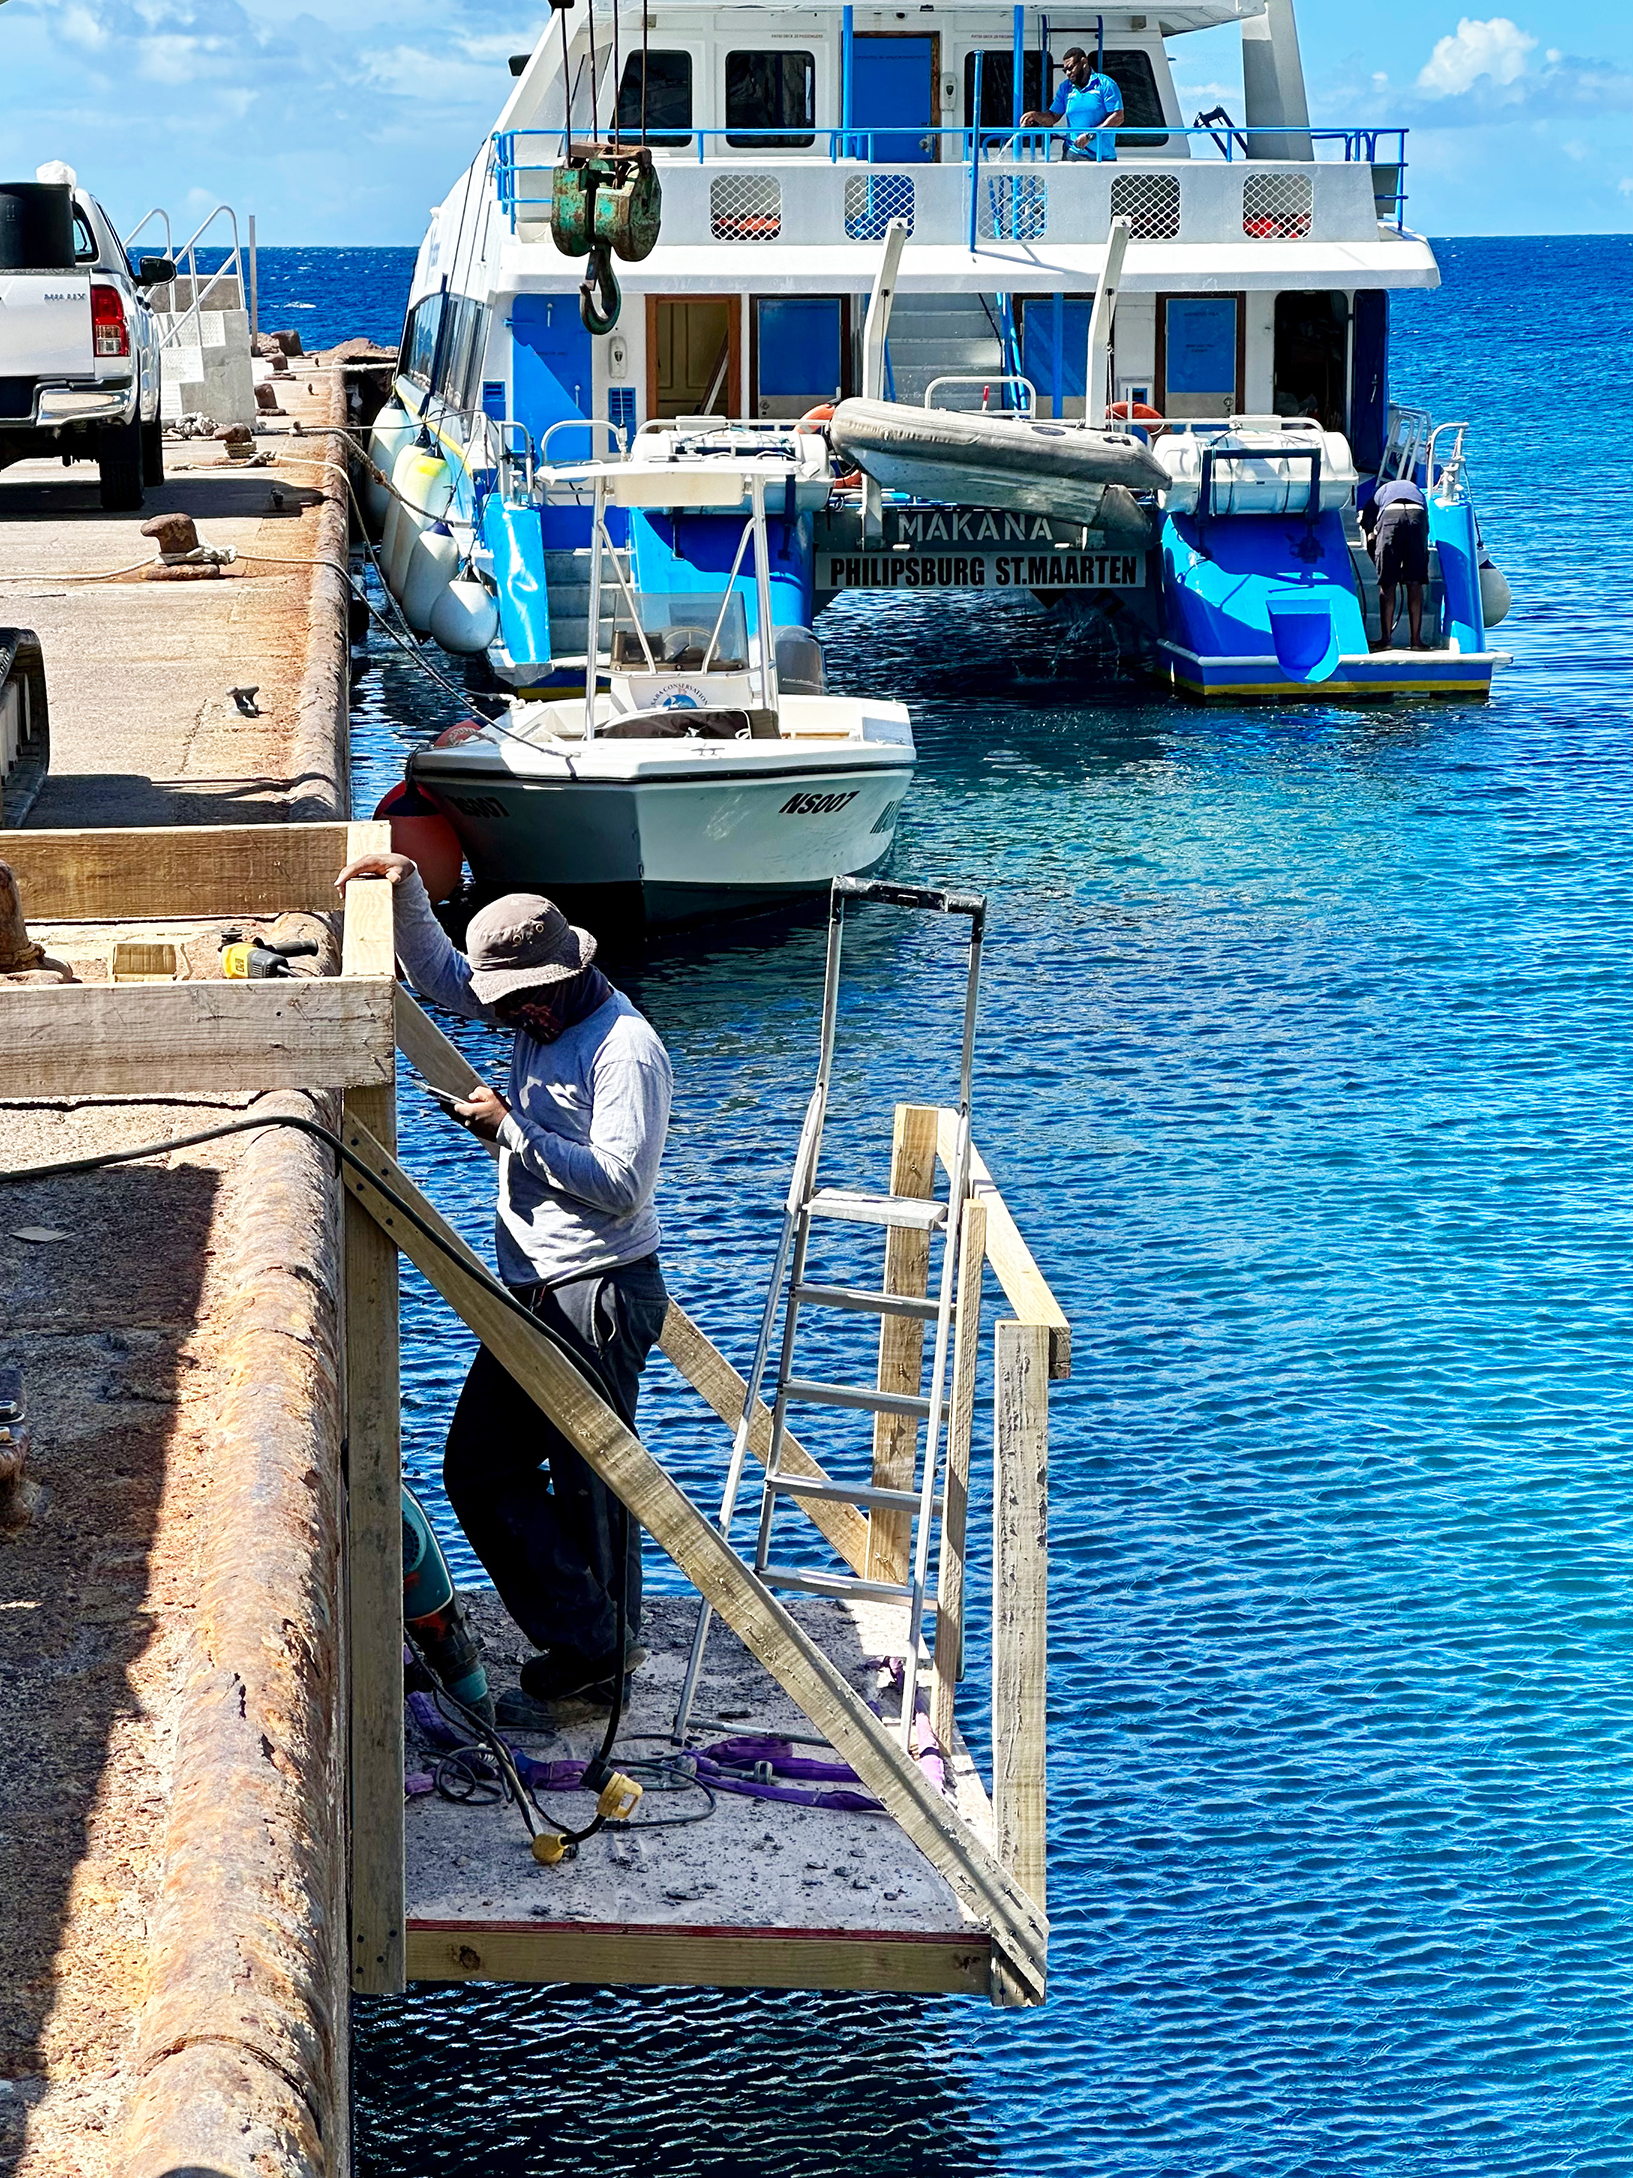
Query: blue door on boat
[1055,349]
[550,370]
[799,352]
[893,92]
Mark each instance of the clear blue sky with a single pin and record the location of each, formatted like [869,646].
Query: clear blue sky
[342,122]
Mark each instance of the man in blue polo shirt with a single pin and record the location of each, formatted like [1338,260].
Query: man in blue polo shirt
[1089,103]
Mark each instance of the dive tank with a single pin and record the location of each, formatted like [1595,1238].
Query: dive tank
[435,1616]
[433,562]
[393,428]
[465,618]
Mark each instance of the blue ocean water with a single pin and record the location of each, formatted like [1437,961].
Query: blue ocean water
[1305,1065]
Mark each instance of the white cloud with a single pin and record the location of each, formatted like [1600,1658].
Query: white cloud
[1495,49]
[1624,188]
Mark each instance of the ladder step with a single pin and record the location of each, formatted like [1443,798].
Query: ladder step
[914,1211]
[868,1302]
[834,1584]
[854,1395]
[845,1493]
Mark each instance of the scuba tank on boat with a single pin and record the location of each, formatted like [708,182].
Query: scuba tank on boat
[434,1614]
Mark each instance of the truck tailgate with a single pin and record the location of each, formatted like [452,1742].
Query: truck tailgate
[45,325]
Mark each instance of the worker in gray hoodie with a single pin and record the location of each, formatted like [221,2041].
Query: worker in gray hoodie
[580,1133]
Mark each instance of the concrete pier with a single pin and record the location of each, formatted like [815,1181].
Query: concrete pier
[171,1700]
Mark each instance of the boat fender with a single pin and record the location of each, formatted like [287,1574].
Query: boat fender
[420,831]
[433,562]
[1495,595]
[427,486]
[391,427]
[824,413]
[395,509]
[465,618]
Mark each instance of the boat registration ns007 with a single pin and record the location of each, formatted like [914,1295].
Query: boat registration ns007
[1051,569]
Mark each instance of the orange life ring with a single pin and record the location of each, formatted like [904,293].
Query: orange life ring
[1137,411]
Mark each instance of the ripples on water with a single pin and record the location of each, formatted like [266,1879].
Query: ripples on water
[1304,1063]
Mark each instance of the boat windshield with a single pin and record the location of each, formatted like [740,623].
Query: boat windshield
[690,631]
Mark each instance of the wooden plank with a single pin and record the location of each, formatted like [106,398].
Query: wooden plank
[770,1958]
[949,1660]
[433,1057]
[1024,1284]
[1020,1613]
[708,1371]
[885,1768]
[148,873]
[368,947]
[901,1341]
[129,1039]
[374,1578]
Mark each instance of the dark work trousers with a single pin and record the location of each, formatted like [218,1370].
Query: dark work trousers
[540,1520]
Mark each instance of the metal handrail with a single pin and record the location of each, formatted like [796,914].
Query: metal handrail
[1451,476]
[1360,143]
[580,423]
[985,378]
[158,212]
[189,250]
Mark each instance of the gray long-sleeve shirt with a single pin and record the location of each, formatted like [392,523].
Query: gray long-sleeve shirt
[579,1153]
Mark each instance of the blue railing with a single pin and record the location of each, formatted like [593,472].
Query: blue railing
[877,147]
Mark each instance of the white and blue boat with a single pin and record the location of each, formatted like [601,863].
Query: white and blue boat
[1156,381]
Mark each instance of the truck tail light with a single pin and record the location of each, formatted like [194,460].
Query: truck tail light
[110,333]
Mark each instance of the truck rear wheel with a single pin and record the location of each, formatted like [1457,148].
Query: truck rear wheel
[153,452]
[119,465]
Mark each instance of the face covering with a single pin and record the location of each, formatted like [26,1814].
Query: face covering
[555,1007]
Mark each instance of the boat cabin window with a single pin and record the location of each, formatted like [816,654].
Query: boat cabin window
[668,87]
[770,91]
[443,343]
[420,339]
[1142,101]
[683,629]
[998,87]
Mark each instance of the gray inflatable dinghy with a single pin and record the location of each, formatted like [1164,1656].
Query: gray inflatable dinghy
[994,461]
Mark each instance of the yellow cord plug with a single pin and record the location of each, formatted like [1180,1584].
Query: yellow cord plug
[550,1847]
[618,1797]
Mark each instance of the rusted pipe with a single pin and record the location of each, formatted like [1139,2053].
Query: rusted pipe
[241,2043]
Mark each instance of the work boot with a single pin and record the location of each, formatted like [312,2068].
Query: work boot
[563,1674]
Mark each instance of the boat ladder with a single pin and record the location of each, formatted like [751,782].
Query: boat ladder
[913,1496]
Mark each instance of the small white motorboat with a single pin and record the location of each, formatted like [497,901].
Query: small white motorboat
[706,770]
[1015,461]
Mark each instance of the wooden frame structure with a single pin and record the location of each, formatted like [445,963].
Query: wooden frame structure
[1003,1885]
[342,1033]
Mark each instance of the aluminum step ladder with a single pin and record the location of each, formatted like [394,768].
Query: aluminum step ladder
[808,1205]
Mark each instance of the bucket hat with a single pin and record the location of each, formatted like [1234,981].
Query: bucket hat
[522,943]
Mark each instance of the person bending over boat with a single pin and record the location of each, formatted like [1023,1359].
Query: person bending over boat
[1088,102]
[1397,527]
[581,1133]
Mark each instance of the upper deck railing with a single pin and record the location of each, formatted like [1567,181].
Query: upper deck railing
[992,186]
[1000,173]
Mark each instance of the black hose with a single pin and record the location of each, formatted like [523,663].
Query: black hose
[69,1167]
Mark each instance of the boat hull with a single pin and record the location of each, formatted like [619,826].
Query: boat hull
[676,847]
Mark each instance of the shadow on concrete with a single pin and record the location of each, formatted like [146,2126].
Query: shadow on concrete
[97,1322]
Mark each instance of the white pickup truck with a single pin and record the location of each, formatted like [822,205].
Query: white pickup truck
[79,353]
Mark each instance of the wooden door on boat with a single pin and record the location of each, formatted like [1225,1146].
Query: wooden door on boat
[693,345]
